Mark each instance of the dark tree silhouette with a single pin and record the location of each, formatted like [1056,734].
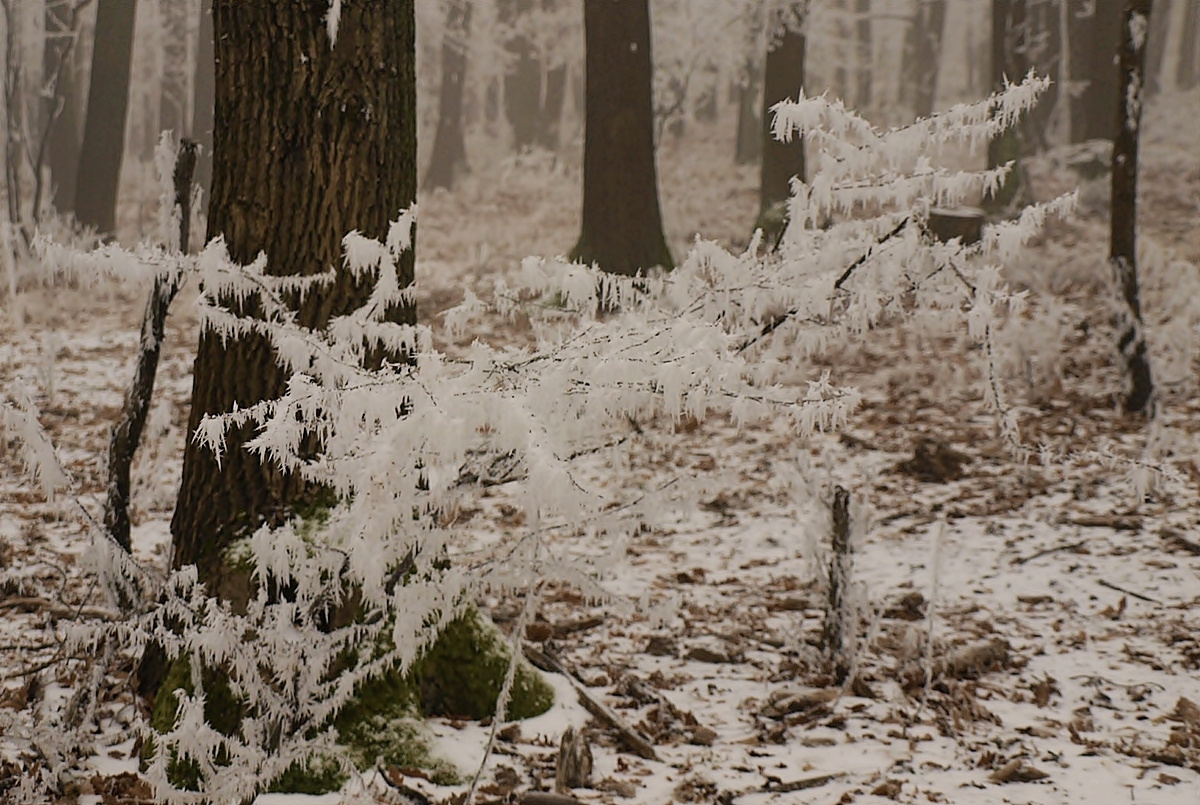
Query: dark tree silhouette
[781,161]
[1094,37]
[1009,63]
[449,150]
[1188,69]
[104,127]
[294,170]
[61,119]
[533,108]
[1123,237]
[622,225]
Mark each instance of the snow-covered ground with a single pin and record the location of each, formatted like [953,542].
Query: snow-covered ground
[1026,632]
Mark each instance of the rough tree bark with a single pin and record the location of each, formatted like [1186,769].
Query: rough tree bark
[781,161]
[104,126]
[622,225]
[922,53]
[449,150]
[1123,235]
[312,140]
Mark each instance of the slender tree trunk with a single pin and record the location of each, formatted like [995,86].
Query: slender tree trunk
[622,225]
[922,53]
[104,127]
[61,119]
[1188,67]
[173,108]
[1009,63]
[781,161]
[1096,31]
[1123,241]
[749,122]
[449,150]
[1044,54]
[294,170]
[127,434]
[202,101]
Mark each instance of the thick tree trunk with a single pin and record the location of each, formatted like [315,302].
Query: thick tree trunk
[1009,63]
[60,125]
[104,127]
[1123,239]
[311,141]
[781,161]
[922,54]
[202,101]
[449,149]
[622,225]
[1095,34]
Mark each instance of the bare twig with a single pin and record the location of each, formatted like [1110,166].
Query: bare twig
[635,741]
[1069,546]
[1129,593]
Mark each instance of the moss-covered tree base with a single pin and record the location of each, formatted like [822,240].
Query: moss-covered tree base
[461,675]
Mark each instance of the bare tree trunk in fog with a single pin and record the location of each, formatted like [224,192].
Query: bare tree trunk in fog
[202,102]
[104,126]
[865,54]
[922,53]
[1094,38]
[533,109]
[622,224]
[449,150]
[1044,54]
[1156,50]
[780,161]
[749,121]
[60,121]
[173,106]
[1009,64]
[1186,72]
[1123,241]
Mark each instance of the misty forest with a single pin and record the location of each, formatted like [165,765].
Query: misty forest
[600,401]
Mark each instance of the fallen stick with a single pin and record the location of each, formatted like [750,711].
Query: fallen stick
[634,740]
[548,798]
[56,609]
[800,785]
[1070,546]
[1130,593]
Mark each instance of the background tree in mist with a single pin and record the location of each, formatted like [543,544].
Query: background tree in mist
[449,148]
[622,228]
[784,78]
[104,126]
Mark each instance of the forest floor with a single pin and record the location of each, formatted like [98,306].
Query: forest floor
[1026,632]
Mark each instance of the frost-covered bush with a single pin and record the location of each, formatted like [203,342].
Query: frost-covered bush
[724,334]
